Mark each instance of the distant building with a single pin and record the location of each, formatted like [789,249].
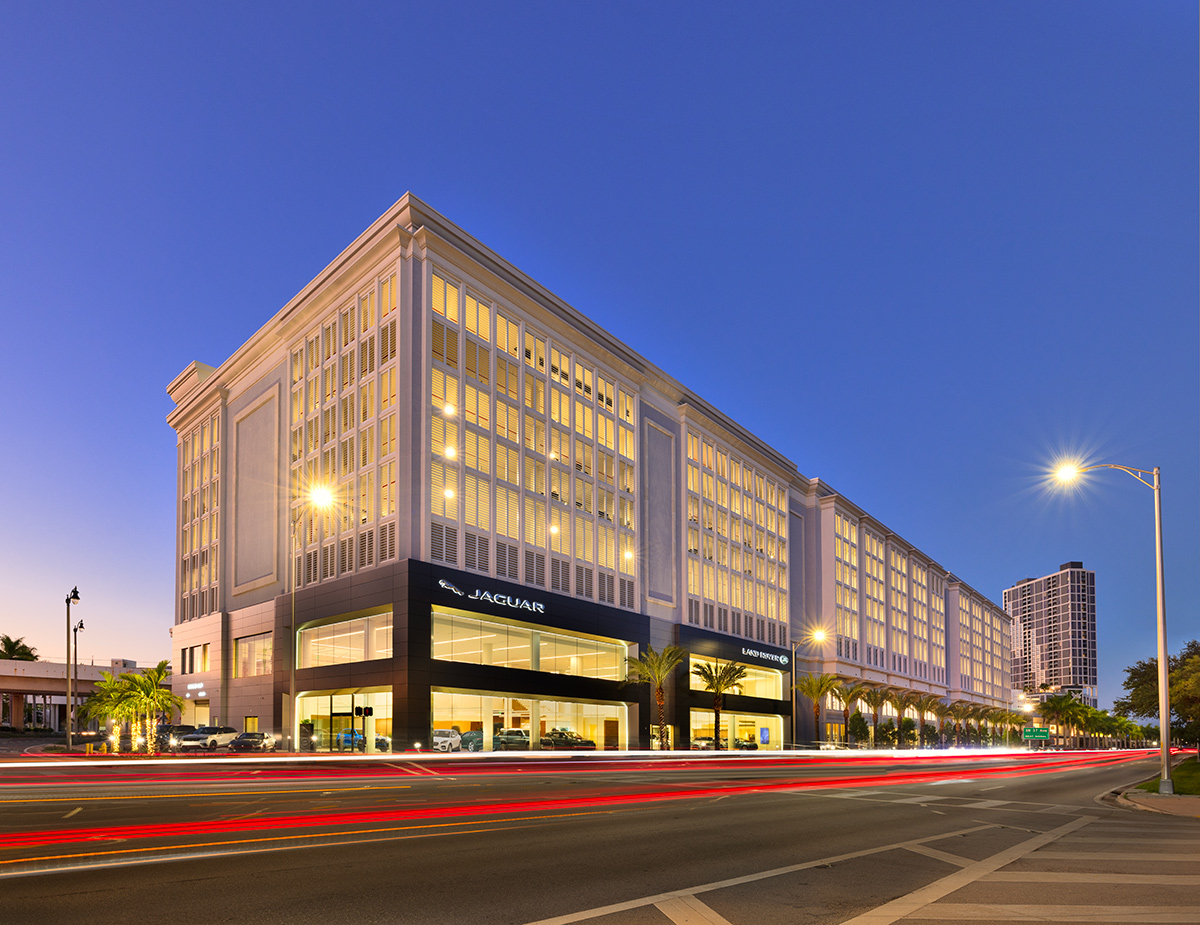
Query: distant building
[1054,633]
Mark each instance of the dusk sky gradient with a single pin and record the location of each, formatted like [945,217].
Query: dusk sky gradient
[922,249]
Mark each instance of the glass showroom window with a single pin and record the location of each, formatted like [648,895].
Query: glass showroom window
[759,682]
[358,640]
[252,656]
[460,637]
[482,721]
[328,722]
[738,730]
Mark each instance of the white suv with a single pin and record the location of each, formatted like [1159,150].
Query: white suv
[210,737]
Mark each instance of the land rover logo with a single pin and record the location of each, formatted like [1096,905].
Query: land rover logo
[769,656]
[504,600]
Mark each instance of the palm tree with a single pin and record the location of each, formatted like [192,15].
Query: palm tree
[982,716]
[849,694]
[719,678]
[17,649]
[1061,710]
[942,711]
[108,702]
[960,712]
[816,687]
[1013,720]
[902,701]
[924,705]
[874,697]
[149,697]
[655,668]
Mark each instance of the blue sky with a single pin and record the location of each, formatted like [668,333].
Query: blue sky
[920,248]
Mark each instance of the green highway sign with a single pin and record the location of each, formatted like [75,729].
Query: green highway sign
[1036,732]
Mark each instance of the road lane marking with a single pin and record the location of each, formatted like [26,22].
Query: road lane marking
[939,855]
[1041,876]
[1093,915]
[73,812]
[1114,856]
[688,910]
[927,896]
[586,914]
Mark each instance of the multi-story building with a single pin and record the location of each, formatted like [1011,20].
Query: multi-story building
[1054,633]
[519,503]
[877,609]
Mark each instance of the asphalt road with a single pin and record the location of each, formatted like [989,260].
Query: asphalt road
[743,840]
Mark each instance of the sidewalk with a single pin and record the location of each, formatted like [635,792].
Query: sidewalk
[1171,804]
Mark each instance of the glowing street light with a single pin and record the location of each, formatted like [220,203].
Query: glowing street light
[815,636]
[1066,474]
[319,498]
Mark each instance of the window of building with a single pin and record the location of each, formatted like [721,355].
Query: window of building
[252,656]
[759,682]
[358,639]
[463,637]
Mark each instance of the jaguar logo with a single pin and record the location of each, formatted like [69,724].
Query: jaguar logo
[442,583]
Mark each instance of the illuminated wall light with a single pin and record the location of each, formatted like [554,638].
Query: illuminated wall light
[449,492]
[449,410]
[451,452]
[553,529]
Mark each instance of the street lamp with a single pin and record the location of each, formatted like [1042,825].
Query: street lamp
[75,657]
[319,497]
[816,636]
[72,598]
[1066,474]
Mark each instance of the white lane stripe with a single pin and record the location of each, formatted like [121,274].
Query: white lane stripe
[688,910]
[938,855]
[1093,915]
[73,812]
[1041,876]
[927,895]
[1123,856]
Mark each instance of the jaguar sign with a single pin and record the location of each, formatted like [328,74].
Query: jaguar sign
[504,600]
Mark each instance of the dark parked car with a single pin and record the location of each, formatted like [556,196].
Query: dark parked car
[559,739]
[747,744]
[167,736]
[253,742]
[471,740]
[510,740]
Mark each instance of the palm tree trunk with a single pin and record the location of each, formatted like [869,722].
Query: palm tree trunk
[662,717]
[717,744]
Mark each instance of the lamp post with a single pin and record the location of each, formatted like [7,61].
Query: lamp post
[72,598]
[321,498]
[75,659]
[1068,473]
[813,636]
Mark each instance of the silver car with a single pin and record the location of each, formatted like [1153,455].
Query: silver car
[209,737]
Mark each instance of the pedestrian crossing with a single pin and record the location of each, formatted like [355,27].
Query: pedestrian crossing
[1089,868]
